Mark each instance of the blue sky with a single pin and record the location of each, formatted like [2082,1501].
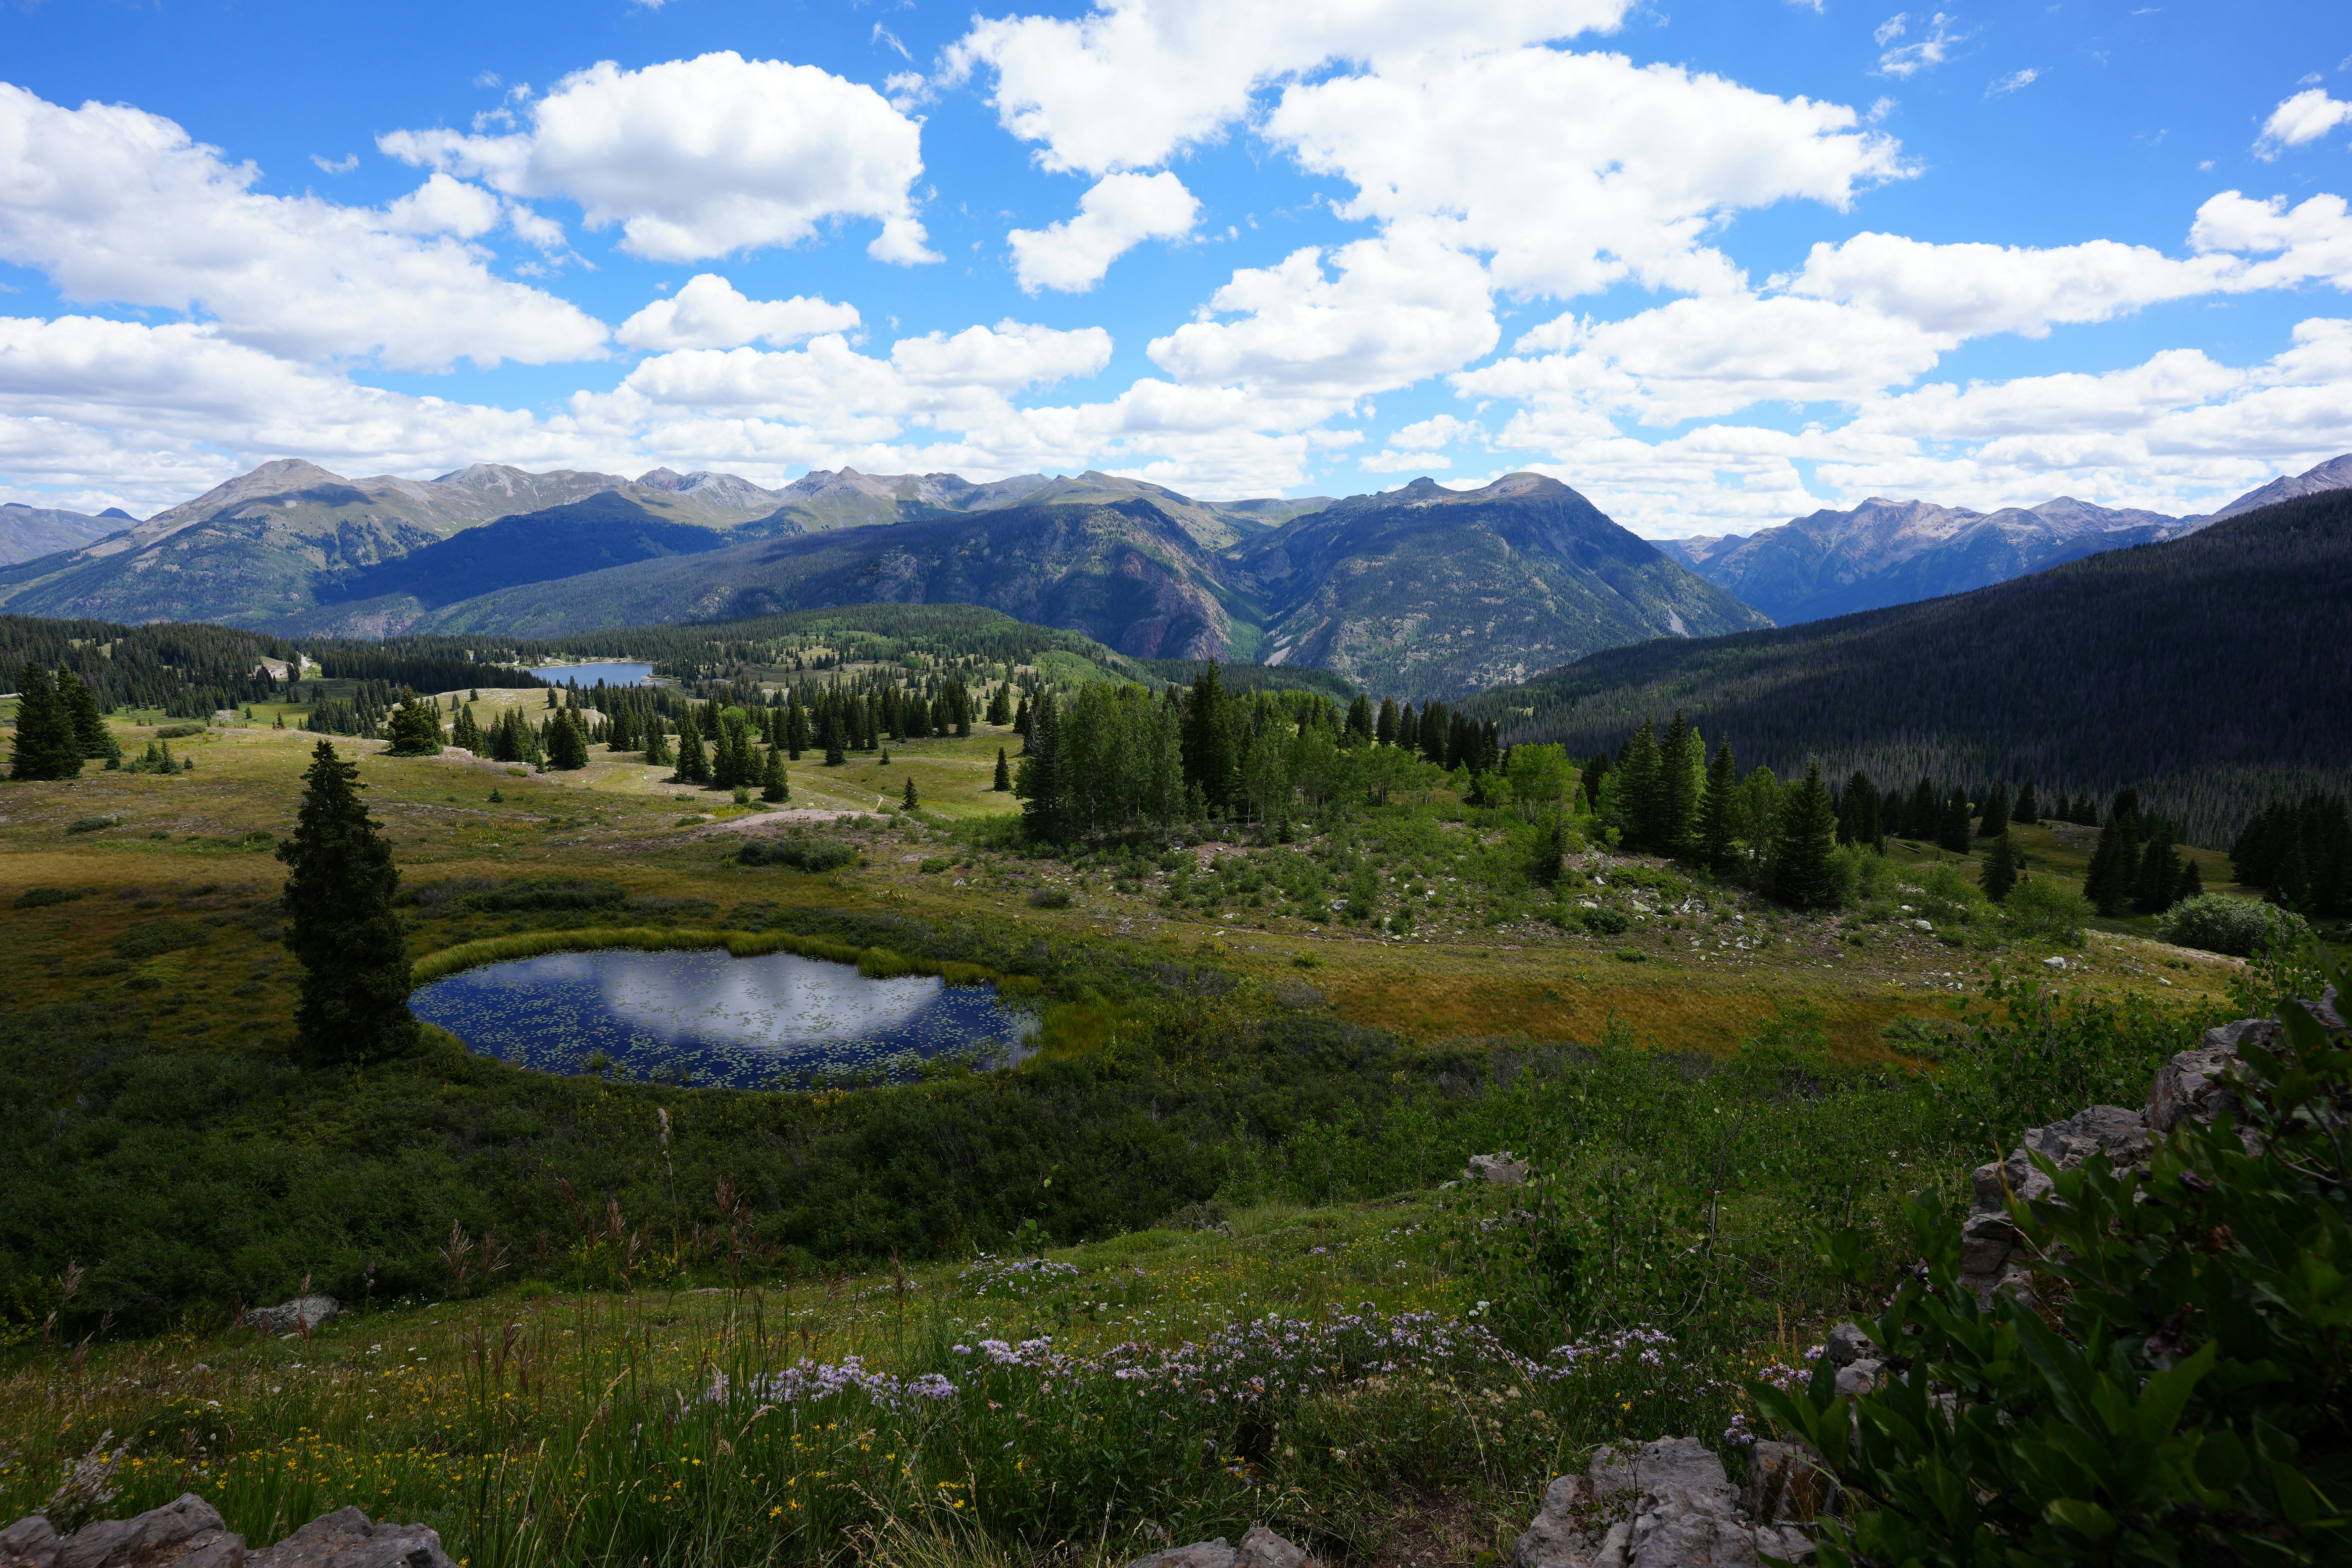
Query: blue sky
[1713,264]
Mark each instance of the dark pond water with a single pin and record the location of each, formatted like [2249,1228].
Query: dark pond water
[745,1023]
[587,675]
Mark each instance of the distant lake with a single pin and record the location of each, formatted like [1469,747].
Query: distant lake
[742,1023]
[589,674]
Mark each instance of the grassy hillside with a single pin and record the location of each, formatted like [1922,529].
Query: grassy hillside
[2207,671]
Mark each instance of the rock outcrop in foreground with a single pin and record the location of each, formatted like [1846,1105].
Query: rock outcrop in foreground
[188,1533]
[1663,1505]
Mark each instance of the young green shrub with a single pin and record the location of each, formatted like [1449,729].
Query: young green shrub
[1049,899]
[2216,922]
[2176,1395]
[2043,910]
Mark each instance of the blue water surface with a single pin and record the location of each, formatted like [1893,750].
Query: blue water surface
[777,1020]
[618,673]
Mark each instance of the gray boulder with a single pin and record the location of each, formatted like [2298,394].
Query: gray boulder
[298,1316]
[345,1539]
[1260,1548]
[1666,1504]
[1499,1168]
[187,1533]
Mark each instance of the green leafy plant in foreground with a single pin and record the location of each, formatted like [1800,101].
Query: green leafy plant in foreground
[2177,1393]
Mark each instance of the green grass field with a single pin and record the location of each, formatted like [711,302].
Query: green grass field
[1701,1091]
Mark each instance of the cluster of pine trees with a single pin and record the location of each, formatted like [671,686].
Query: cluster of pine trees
[361,714]
[58,727]
[2135,869]
[1111,757]
[2299,852]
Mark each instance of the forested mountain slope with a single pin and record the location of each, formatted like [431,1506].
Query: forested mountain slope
[1125,574]
[1425,592]
[2205,669]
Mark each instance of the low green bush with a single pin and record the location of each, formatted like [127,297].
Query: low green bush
[2043,910]
[1049,899]
[41,897]
[150,939]
[1606,921]
[811,855]
[2216,922]
[178,732]
[91,824]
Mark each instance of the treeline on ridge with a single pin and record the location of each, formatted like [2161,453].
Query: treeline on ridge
[2188,669]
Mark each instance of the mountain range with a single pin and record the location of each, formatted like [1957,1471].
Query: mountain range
[1421,591]
[1886,552]
[2208,671]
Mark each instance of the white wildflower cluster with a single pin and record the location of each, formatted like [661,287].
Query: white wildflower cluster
[1017,1277]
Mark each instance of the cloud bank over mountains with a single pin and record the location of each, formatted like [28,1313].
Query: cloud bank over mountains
[1525,260]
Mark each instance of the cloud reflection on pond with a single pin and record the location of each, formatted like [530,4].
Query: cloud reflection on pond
[745,1023]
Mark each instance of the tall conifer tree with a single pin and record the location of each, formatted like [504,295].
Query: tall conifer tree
[340,924]
[1994,821]
[1804,848]
[1953,834]
[1717,810]
[45,747]
[2000,868]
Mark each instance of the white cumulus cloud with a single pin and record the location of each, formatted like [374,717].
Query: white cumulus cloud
[1132,82]
[2305,117]
[1576,171]
[710,312]
[1003,358]
[1119,213]
[702,157]
[115,204]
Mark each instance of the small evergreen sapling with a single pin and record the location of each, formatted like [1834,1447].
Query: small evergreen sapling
[909,801]
[1003,774]
[1804,867]
[773,786]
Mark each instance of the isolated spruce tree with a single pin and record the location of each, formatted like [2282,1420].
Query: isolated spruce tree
[91,737]
[1954,833]
[1384,728]
[2026,810]
[2000,868]
[908,799]
[1804,847]
[1003,774]
[567,744]
[45,747]
[1994,822]
[1716,809]
[1000,703]
[339,922]
[415,727]
[657,753]
[773,786]
[693,762]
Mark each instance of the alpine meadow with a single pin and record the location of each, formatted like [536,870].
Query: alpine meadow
[1158,784]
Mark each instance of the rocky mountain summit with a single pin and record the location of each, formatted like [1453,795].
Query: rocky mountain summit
[1885,553]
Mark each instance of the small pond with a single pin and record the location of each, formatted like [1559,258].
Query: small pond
[775,1021]
[620,673]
